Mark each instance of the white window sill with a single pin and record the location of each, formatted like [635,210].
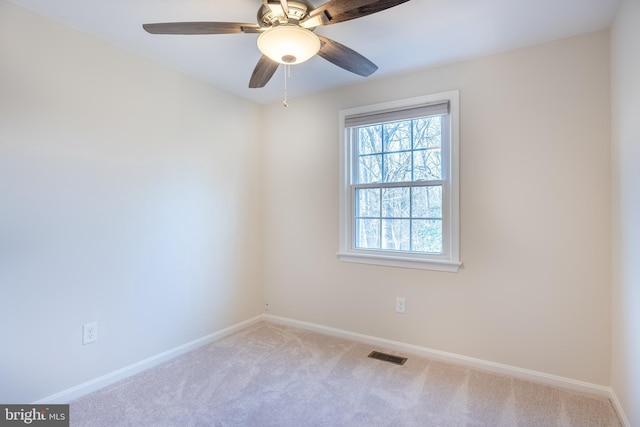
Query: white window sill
[400,261]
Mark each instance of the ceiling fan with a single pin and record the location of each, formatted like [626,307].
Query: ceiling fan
[286,34]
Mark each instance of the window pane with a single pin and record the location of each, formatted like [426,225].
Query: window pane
[370,139]
[369,169]
[427,202]
[367,234]
[368,202]
[427,165]
[397,167]
[397,136]
[396,202]
[395,234]
[427,132]
[399,192]
[426,236]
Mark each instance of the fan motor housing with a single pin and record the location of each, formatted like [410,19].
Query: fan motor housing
[298,10]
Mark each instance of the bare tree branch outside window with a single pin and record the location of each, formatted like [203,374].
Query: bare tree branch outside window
[399,195]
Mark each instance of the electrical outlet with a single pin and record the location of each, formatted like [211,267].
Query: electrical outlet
[266,305]
[89,332]
[400,305]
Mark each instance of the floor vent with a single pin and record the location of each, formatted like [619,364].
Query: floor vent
[388,357]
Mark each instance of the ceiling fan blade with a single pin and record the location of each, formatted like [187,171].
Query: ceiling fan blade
[345,57]
[335,11]
[201,28]
[263,72]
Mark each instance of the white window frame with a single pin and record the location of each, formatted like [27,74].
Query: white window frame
[449,260]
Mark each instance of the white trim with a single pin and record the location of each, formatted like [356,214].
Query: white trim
[450,260]
[619,409]
[80,390]
[399,261]
[498,368]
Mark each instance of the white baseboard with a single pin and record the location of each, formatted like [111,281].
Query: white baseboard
[618,406]
[499,368]
[80,390]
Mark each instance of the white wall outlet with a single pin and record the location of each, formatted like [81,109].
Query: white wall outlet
[89,332]
[400,305]
[266,305]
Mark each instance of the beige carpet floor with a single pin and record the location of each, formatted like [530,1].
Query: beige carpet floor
[273,375]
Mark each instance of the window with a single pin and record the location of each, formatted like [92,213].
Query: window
[399,183]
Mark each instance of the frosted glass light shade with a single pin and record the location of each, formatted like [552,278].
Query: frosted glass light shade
[288,44]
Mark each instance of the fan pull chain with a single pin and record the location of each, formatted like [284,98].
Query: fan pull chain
[287,74]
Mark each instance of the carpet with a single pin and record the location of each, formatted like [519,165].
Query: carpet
[274,375]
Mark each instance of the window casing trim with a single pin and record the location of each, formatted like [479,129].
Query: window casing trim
[449,260]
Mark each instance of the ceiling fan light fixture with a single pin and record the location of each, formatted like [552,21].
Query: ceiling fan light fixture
[289,44]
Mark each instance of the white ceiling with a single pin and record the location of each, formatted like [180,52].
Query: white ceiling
[414,35]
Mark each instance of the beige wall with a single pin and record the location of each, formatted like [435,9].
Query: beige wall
[626,208]
[129,195]
[535,182]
